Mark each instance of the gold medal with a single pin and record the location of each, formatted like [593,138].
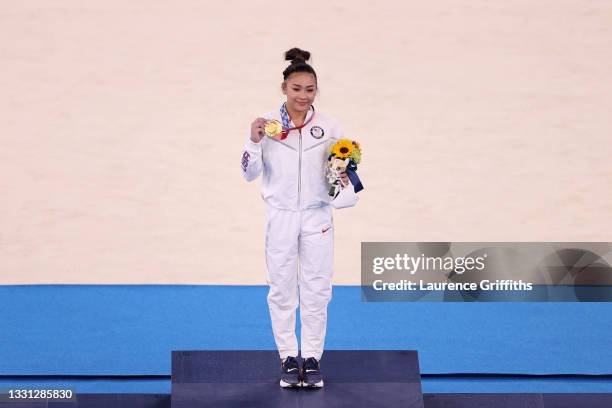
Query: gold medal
[273,128]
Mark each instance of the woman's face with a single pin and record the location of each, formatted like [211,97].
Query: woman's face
[300,88]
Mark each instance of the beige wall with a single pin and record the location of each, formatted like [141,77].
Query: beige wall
[121,127]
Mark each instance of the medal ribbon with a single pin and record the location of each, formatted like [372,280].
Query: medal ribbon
[287,123]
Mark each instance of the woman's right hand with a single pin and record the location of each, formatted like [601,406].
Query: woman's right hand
[257,129]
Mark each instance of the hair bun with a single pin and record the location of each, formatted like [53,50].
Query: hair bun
[296,55]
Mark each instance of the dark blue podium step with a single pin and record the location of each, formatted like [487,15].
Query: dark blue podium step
[250,379]
[483,400]
[431,401]
[577,400]
[518,400]
[99,401]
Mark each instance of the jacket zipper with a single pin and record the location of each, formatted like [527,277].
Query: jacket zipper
[300,174]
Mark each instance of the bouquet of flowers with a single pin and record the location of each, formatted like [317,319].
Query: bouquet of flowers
[344,156]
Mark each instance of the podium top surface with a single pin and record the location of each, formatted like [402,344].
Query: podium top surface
[255,366]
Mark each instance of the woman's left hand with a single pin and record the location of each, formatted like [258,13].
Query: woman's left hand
[344,179]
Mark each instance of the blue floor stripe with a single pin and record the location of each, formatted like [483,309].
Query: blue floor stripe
[131,329]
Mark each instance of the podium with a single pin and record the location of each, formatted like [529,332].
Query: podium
[367,379]
[356,379]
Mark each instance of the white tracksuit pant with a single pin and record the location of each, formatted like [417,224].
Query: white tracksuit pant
[299,256]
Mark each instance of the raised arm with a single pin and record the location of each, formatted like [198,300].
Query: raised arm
[252,164]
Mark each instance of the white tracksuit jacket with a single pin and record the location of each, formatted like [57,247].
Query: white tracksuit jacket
[299,227]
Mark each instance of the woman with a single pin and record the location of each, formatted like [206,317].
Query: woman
[299,224]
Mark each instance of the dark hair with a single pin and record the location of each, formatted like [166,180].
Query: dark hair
[298,60]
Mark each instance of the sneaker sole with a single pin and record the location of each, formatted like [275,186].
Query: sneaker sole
[284,384]
[315,385]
